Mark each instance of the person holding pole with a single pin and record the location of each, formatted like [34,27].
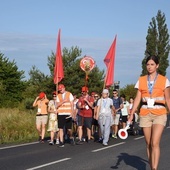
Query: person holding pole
[65,113]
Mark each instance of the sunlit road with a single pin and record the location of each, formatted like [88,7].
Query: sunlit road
[120,154]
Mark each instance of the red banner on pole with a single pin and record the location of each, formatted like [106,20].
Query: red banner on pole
[109,60]
[58,69]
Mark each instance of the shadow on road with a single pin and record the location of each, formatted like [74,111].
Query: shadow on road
[131,160]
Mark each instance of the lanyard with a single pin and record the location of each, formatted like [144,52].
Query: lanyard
[150,85]
[104,103]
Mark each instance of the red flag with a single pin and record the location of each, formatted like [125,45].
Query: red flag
[109,61]
[58,69]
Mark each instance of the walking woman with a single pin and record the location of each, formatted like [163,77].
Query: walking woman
[153,90]
[41,102]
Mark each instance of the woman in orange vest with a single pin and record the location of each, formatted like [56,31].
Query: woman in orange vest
[153,92]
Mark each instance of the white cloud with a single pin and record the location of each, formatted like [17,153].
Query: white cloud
[29,50]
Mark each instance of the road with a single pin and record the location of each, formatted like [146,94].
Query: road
[129,154]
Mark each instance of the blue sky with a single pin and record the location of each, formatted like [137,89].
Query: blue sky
[29,29]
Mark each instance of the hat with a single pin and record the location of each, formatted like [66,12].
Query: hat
[54,93]
[41,95]
[93,93]
[105,91]
[60,86]
[84,88]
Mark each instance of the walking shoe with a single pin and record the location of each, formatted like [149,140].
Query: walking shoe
[79,142]
[114,136]
[61,145]
[89,141]
[57,142]
[100,140]
[72,142]
[84,139]
[105,144]
[42,141]
[51,143]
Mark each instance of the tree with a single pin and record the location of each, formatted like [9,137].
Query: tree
[74,77]
[157,43]
[11,83]
[128,91]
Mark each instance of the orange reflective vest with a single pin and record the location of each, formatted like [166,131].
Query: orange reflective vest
[157,94]
[65,108]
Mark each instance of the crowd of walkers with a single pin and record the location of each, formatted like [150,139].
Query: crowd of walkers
[91,113]
[91,117]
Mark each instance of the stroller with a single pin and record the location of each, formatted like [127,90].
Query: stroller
[134,128]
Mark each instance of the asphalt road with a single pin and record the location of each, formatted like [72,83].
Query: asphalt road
[129,154]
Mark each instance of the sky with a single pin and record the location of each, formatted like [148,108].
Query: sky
[29,29]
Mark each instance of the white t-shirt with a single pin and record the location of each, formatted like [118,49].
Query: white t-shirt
[167,84]
[105,105]
[125,108]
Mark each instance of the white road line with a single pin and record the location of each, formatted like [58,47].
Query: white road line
[15,146]
[139,138]
[107,147]
[51,163]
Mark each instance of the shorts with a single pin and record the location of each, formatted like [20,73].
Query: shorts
[86,121]
[150,119]
[116,119]
[124,119]
[53,123]
[94,122]
[63,122]
[41,120]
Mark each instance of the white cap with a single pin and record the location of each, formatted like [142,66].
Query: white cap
[105,91]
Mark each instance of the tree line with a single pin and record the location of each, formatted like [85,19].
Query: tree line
[17,92]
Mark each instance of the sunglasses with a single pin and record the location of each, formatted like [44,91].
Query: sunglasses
[96,96]
[114,93]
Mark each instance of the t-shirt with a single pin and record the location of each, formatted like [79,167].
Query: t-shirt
[167,84]
[105,105]
[71,98]
[116,103]
[87,111]
[125,107]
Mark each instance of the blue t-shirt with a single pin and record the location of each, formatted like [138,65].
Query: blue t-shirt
[116,103]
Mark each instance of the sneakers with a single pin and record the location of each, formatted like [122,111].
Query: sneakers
[61,145]
[100,140]
[114,136]
[79,142]
[89,141]
[105,144]
[72,142]
[42,141]
[57,142]
[51,143]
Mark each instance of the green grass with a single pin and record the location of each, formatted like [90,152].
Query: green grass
[17,126]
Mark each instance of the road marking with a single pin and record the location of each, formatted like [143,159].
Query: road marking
[107,147]
[51,163]
[139,138]
[15,146]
